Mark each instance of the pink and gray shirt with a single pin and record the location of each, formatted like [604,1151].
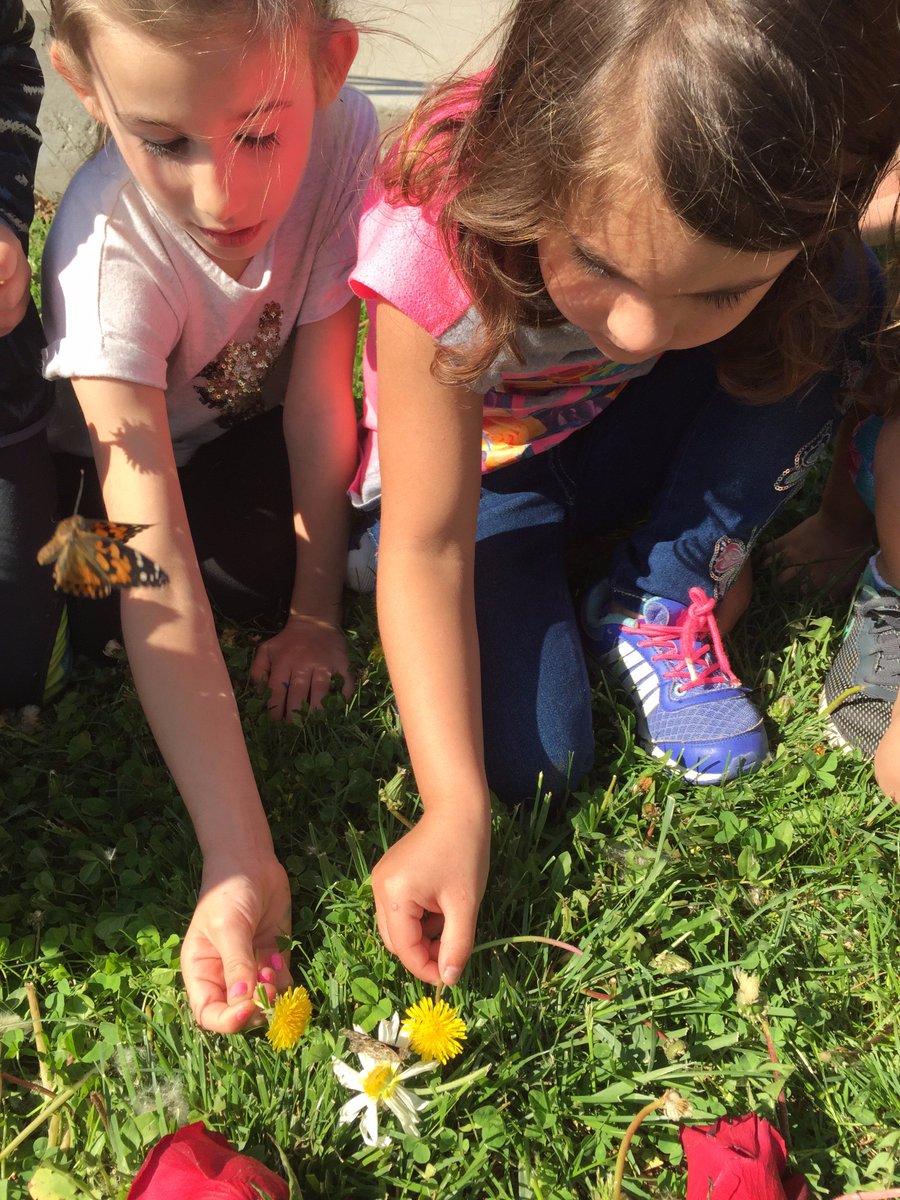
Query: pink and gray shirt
[528,407]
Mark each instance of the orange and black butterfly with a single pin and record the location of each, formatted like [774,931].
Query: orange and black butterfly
[91,558]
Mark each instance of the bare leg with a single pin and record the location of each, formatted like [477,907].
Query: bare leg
[736,600]
[887,501]
[829,548]
[887,518]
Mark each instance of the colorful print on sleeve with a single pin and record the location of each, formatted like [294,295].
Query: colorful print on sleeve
[535,410]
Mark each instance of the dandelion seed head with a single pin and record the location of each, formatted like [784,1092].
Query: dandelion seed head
[748,988]
[290,1018]
[30,718]
[674,1106]
[436,1031]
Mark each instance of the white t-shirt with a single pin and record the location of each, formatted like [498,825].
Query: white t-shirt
[128,295]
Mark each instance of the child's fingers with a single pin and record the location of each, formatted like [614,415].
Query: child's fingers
[457,940]
[279,964]
[408,942]
[216,1005]
[319,683]
[225,1007]
[261,666]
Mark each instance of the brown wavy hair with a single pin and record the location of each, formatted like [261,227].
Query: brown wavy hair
[765,124]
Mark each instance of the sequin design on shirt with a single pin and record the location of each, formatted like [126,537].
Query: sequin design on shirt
[232,383]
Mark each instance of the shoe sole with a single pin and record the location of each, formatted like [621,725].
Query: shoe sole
[697,775]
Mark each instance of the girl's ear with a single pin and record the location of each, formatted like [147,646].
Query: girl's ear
[335,52]
[79,84]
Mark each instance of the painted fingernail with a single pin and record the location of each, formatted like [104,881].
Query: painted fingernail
[450,976]
[244,1014]
[237,989]
[277,961]
[266,975]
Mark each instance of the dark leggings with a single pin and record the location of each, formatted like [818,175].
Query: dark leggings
[237,493]
[29,608]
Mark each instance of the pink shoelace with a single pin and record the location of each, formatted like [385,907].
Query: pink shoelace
[687,645]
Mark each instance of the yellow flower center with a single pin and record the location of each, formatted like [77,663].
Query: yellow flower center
[435,1030]
[380,1081]
[289,1018]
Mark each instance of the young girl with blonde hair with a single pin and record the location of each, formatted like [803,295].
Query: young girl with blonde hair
[618,274]
[196,299]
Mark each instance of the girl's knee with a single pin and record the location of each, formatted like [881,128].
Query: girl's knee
[518,777]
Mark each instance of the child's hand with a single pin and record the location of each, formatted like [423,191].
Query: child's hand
[887,760]
[298,663]
[427,891]
[231,943]
[826,553]
[15,276]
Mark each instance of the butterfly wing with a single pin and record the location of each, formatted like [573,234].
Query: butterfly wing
[363,1043]
[91,558]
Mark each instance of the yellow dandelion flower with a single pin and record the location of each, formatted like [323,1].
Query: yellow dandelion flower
[435,1030]
[290,1017]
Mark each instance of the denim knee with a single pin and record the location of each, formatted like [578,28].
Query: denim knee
[530,770]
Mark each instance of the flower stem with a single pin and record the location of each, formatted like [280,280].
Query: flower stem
[528,937]
[626,1143]
[781,1101]
[829,709]
[52,1107]
[40,1044]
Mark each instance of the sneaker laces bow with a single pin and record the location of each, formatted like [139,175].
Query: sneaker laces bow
[692,644]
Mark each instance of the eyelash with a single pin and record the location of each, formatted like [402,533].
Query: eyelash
[174,149]
[717,299]
[725,299]
[592,267]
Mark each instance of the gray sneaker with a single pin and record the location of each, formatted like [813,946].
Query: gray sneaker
[864,678]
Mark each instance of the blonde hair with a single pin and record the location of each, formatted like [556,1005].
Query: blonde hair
[179,22]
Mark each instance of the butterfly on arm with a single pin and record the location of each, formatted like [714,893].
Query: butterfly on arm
[90,558]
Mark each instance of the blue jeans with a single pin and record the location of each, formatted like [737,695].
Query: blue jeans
[710,470]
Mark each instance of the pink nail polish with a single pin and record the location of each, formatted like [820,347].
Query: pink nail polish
[277,961]
[237,989]
[245,1013]
[266,975]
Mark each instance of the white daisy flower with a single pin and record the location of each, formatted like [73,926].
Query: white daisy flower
[380,1081]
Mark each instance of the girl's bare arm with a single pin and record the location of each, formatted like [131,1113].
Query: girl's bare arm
[320,433]
[189,703]
[430,450]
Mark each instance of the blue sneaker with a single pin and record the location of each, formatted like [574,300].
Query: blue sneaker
[691,708]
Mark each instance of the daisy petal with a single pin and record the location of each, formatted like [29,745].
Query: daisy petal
[346,1075]
[353,1106]
[408,1120]
[368,1125]
[418,1068]
[388,1031]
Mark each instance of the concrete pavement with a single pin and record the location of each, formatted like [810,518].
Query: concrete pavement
[404,46]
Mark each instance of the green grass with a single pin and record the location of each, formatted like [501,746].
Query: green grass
[792,874]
